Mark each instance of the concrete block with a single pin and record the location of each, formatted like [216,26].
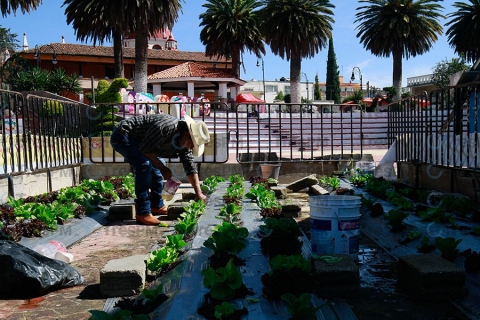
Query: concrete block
[280,192]
[176,209]
[122,211]
[430,277]
[317,189]
[189,195]
[123,277]
[290,206]
[340,279]
[303,183]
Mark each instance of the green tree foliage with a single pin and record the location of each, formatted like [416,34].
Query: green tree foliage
[296,29]
[108,93]
[287,98]
[11,68]
[391,93]
[38,79]
[400,28]
[11,6]
[8,40]
[464,29]
[333,80]
[230,28]
[317,93]
[445,68]
[280,96]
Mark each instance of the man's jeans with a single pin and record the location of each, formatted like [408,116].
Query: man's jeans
[147,177]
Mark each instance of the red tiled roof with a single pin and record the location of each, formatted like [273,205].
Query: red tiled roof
[190,70]
[101,51]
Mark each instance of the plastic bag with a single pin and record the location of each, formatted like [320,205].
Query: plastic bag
[25,273]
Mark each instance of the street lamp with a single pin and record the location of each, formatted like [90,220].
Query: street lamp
[359,73]
[263,77]
[306,79]
[37,55]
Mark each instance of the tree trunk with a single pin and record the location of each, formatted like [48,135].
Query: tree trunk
[397,73]
[295,65]
[141,49]
[118,55]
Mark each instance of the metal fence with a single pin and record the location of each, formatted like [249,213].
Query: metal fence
[38,133]
[440,129]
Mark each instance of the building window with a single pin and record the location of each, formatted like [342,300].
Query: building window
[247,89]
[287,90]
[271,88]
[109,72]
[157,47]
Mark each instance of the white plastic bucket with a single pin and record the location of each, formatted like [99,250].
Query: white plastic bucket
[335,224]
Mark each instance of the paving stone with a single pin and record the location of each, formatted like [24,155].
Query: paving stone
[340,279]
[176,209]
[188,195]
[289,206]
[122,211]
[317,189]
[430,277]
[303,183]
[123,277]
[280,191]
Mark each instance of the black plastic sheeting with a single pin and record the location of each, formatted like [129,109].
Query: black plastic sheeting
[25,273]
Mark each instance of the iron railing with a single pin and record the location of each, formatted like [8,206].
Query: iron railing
[38,133]
[441,129]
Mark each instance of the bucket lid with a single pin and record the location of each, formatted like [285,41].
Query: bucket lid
[340,200]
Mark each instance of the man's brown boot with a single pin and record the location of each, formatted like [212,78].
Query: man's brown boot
[159,211]
[148,220]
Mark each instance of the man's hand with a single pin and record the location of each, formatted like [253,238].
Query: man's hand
[202,197]
[166,173]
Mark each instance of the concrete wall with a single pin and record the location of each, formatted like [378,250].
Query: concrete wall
[447,180]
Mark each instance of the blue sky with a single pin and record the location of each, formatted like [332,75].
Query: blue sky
[48,24]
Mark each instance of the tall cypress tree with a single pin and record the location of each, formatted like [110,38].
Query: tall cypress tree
[317,95]
[333,81]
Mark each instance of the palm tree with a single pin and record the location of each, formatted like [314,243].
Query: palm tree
[296,29]
[230,27]
[89,21]
[9,6]
[464,30]
[142,17]
[401,28]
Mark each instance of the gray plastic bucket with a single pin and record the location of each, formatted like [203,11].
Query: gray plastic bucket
[335,224]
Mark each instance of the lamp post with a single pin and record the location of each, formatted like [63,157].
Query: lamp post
[37,54]
[306,79]
[359,73]
[263,78]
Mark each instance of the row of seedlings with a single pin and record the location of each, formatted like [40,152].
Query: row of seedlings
[162,260]
[33,216]
[430,207]
[291,277]
[222,277]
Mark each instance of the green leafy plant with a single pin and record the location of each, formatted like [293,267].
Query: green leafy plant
[425,245]
[284,262]
[224,310]
[229,212]
[448,247]
[301,308]
[223,282]
[476,231]
[228,238]
[436,214]
[210,184]
[395,219]
[412,235]
[161,258]
[152,294]
[186,223]
[175,242]
[52,108]
[333,182]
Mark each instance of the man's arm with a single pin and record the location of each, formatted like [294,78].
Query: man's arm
[166,172]
[195,182]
